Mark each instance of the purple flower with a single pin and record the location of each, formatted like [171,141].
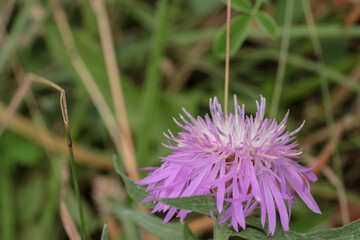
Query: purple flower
[243,160]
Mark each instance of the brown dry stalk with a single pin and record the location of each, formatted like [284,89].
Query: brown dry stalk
[5,12]
[91,86]
[324,159]
[21,125]
[65,216]
[335,181]
[192,56]
[357,116]
[183,74]
[107,45]
[354,15]
[342,93]
[19,72]
[68,222]
[322,134]
[84,74]
[328,151]
[11,109]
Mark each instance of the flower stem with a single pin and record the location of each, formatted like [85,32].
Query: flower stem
[75,181]
[227,61]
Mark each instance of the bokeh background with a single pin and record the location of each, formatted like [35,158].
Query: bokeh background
[163,51]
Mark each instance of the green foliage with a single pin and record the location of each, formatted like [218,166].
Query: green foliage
[202,204]
[26,153]
[158,44]
[155,226]
[105,232]
[151,92]
[267,23]
[239,30]
[135,191]
[203,7]
[10,46]
[350,231]
[239,5]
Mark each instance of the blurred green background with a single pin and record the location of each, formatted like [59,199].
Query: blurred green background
[164,53]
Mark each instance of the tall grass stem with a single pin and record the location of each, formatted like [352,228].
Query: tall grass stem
[282,59]
[125,138]
[75,180]
[328,110]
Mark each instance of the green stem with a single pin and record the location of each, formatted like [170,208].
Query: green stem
[151,91]
[256,7]
[7,212]
[327,106]
[283,58]
[75,181]
[220,230]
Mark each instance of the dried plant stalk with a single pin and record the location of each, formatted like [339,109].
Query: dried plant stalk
[107,45]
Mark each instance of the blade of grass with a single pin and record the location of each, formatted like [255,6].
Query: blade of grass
[65,216]
[85,75]
[105,234]
[18,97]
[152,83]
[41,135]
[11,110]
[50,141]
[50,211]
[186,37]
[65,115]
[12,42]
[68,222]
[6,10]
[7,210]
[73,170]
[329,114]
[306,64]
[116,89]
[282,59]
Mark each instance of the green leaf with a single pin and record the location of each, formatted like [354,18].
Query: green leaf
[188,234]
[202,204]
[152,84]
[135,191]
[350,231]
[31,199]
[267,23]
[131,231]
[240,5]
[156,226]
[24,151]
[88,49]
[105,233]
[18,30]
[239,31]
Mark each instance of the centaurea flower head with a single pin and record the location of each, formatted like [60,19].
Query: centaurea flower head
[245,161]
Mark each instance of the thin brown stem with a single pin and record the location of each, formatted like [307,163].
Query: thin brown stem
[84,73]
[107,45]
[227,60]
